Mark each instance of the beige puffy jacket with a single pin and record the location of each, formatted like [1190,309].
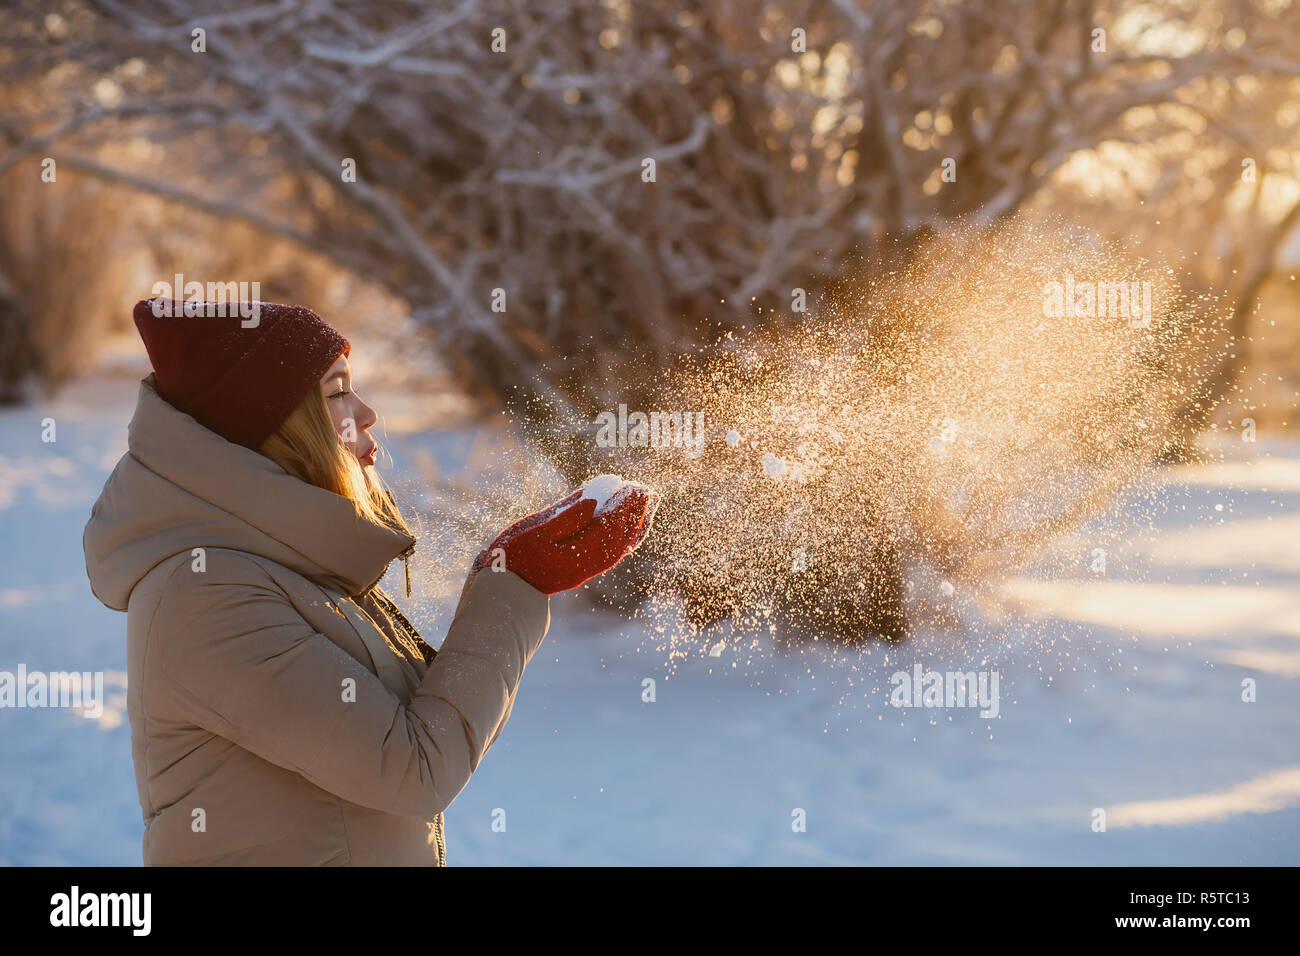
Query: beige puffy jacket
[280,715]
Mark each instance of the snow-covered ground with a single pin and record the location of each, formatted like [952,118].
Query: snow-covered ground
[1119,691]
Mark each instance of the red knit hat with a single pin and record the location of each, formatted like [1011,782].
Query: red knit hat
[240,382]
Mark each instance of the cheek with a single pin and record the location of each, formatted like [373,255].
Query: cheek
[338,415]
[345,421]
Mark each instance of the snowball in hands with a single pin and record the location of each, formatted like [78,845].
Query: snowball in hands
[600,488]
[567,544]
[608,491]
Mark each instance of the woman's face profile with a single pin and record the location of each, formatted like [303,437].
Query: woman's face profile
[351,416]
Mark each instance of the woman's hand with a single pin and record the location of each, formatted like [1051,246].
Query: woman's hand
[567,544]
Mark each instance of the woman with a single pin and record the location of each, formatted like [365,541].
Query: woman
[283,710]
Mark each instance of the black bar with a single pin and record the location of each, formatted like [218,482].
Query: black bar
[930,906]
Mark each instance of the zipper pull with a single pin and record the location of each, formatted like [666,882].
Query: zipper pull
[406,563]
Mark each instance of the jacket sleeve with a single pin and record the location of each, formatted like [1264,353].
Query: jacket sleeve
[248,667]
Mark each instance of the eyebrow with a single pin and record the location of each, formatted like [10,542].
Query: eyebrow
[339,374]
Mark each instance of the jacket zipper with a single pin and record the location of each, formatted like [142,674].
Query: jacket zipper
[405,555]
[411,631]
[421,645]
[406,563]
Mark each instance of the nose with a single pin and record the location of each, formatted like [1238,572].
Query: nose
[366,416]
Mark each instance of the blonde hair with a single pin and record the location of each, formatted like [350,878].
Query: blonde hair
[307,447]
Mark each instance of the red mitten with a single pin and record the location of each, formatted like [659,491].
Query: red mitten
[567,544]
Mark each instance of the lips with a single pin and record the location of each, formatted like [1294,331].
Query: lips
[369,457]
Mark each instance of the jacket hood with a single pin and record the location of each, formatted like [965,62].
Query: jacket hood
[181,486]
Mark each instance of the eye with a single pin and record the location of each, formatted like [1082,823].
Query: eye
[340,394]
